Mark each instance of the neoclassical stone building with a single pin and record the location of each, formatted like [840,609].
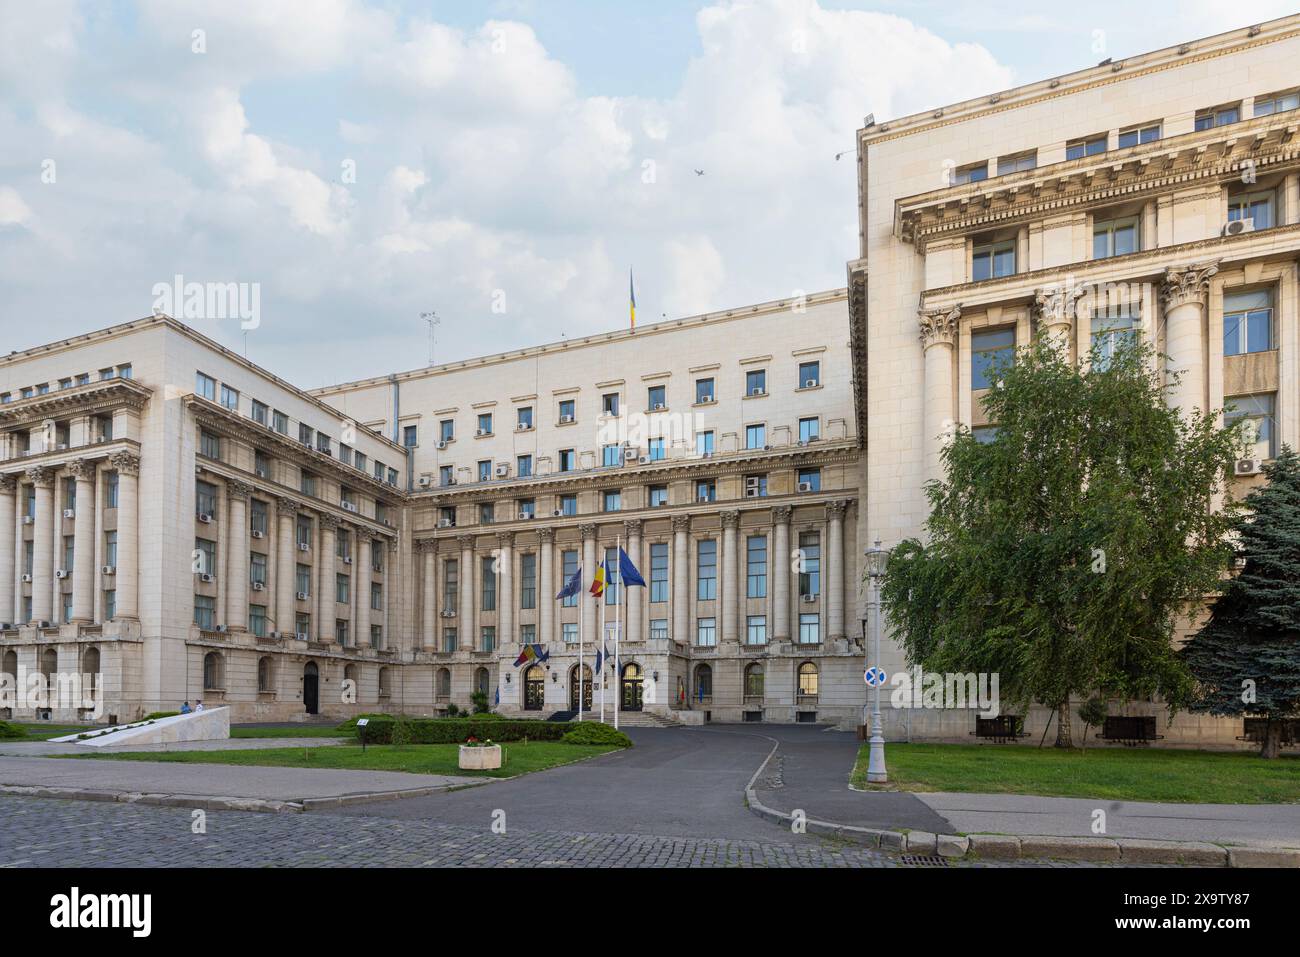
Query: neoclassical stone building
[1154,196]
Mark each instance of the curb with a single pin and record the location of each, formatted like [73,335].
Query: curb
[163,800]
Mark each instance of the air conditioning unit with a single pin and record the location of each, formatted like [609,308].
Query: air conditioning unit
[27,579]
[259,586]
[446,523]
[301,636]
[705,399]
[44,624]
[1249,467]
[425,481]
[220,629]
[302,596]
[751,491]
[60,573]
[809,383]
[101,439]
[28,520]
[808,599]
[630,455]
[662,501]
[805,486]
[347,559]
[348,507]
[706,455]
[755,391]
[108,570]
[205,518]
[521,427]
[69,513]
[565,419]
[452,480]
[304,547]
[659,406]
[704,496]
[643,460]
[442,444]
[206,578]
[257,533]
[447,613]
[1237,227]
[503,470]
[480,432]
[557,513]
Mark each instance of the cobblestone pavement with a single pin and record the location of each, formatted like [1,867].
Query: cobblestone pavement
[41,832]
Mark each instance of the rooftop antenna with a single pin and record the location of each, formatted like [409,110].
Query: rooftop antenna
[432,319]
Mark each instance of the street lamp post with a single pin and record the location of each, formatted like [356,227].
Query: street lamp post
[877,559]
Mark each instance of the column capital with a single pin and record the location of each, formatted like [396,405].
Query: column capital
[681,523]
[126,463]
[40,476]
[236,489]
[505,539]
[330,521]
[82,469]
[393,544]
[587,530]
[836,509]
[1057,305]
[287,506]
[1186,284]
[8,484]
[466,542]
[939,326]
[632,528]
[730,519]
[781,514]
[428,546]
[546,535]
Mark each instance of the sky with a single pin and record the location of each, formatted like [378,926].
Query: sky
[353,165]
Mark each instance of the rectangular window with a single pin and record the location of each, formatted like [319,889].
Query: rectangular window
[658,629]
[756,382]
[1247,322]
[568,505]
[569,563]
[567,410]
[410,436]
[1091,146]
[305,434]
[485,470]
[110,492]
[488,586]
[205,499]
[304,530]
[809,430]
[1218,116]
[810,564]
[528,580]
[993,260]
[323,443]
[656,450]
[1017,163]
[260,412]
[706,632]
[488,638]
[974,173]
[756,567]
[1258,414]
[1112,333]
[446,430]
[609,403]
[810,630]
[340,631]
[110,548]
[205,612]
[704,390]
[229,398]
[568,460]
[611,456]
[307,483]
[569,632]
[989,351]
[446,474]
[706,490]
[485,423]
[302,624]
[704,442]
[486,513]
[261,465]
[811,479]
[756,630]
[376,596]
[209,445]
[110,603]
[257,620]
[656,398]
[1115,237]
[205,387]
[67,554]
[257,568]
[1277,103]
[612,500]
[612,578]
[755,436]
[755,486]
[810,375]
[448,644]
[706,569]
[1256,207]
[524,418]
[342,589]
[524,465]
[984,434]
[450,587]
[527,634]
[658,572]
[1139,135]
[658,495]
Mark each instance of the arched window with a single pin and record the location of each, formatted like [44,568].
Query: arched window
[754,681]
[11,665]
[444,683]
[90,668]
[350,674]
[265,674]
[808,679]
[385,683]
[703,682]
[49,664]
[213,671]
[481,680]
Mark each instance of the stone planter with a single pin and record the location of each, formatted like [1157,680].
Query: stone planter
[480,758]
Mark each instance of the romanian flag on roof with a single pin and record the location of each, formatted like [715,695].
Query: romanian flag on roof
[598,581]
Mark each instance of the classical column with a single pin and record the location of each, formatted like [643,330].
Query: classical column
[465,620]
[1183,295]
[938,340]
[781,572]
[587,617]
[730,584]
[361,583]
[286,572]
[681,579]
[635,597]
[127,467]
[505,561]
[8,545]
[391,583]
[237,494]
[1056,309]
[546,585]
[327,576]
[43,544]
[835,571]
[83,543]
[428,548]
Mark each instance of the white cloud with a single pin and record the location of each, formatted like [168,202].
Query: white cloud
[13,211]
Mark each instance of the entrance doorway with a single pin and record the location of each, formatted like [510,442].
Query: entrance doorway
[311,688]
[632,689]
[585,682]
[534,688]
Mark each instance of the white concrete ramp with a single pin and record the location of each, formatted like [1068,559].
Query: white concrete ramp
[208,725]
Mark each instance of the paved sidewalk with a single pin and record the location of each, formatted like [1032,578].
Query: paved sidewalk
[38,748]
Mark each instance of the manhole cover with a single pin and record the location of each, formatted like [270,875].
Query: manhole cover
[924,860]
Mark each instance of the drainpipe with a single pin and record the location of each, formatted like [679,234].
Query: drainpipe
[397,430]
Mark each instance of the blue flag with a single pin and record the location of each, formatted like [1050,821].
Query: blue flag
[572,587]
[627,572]
[498,695]
[600,659]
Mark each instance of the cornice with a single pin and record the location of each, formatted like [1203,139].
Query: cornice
[59,458]
[88,399]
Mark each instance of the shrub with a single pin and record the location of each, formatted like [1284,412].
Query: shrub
[480,702]
[350,726]
[444,731]
[592,732]
[452,710]
[12,732]
[153,715]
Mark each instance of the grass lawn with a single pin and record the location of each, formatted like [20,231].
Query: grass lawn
[44,731]
[517,758]
[1127,774]
[306,731]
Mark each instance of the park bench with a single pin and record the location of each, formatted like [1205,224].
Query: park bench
[1003,728]
[1130,730]
[1253,730]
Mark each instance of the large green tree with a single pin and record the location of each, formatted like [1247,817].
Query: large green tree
[1246,660]
[1061,553]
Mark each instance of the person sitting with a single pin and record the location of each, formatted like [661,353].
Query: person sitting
[185,707]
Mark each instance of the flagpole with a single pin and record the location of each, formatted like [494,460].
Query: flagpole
[601,639]
[618,627]
[580,657]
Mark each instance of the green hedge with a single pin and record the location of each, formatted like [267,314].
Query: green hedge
[455,731]
[154,715]
[12,732]
[592,732]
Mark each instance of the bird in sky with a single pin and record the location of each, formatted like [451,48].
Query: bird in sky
[699,172]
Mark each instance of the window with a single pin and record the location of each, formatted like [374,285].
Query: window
[984,434]
[706,490]
[524,418]
[342,589]
[809,430]
[343,545]
[110,491]
[488,638]
[567,413]
[755,436]
[810,630]
[1247,322]
[376,596]
[609,403]
[990,349]
[756,382]
[810,375]
[528,580]
[1114,237]
[280,422]
[306,483]
[257,568]
[527,634]
[304,530]
[812,478]
[340,631]
[1112,333]
[706,569]
[1138,135]
[205,387]
[612,500]
[485,470]
[974,173]
[65,384]
[1017,163]
[613,580]
[359,460]
[993,260]
[703,390]
[261,464]
[209,445]
[756,567]
[656,397]
[569,504]
[756,630]
[1091,146]
[658,572]
[205,498]
[447,430]
[754,681]
[1257,207]
[704,442]
[213,672]
[706,632]
[808,679]
[205,616]
[229,398]
[569,564]
[305,434]
[658,629]
[392,477]
[485,423]
[110,548]
[611,456]
[302,624]
[1277,103]
[569,632]
[410,436]
[1218,116]
[257,625]
[703,682]
[488,584]
[322,443]
[810,564]
[656,450]
[450,588]
[567,460]
[110,603]
[486,513]
[447,516]
[67,557]
[446,474]
[755,486]
[658,495]
[260,412]
[1257,412]
[376,556]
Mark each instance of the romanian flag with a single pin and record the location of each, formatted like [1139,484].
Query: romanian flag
[631,292]
[598,581]
[529,654]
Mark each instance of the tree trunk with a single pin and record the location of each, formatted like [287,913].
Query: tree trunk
[1063,739]
[1272,739]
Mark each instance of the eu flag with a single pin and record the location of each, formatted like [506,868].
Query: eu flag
[627,571]
[573,586]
